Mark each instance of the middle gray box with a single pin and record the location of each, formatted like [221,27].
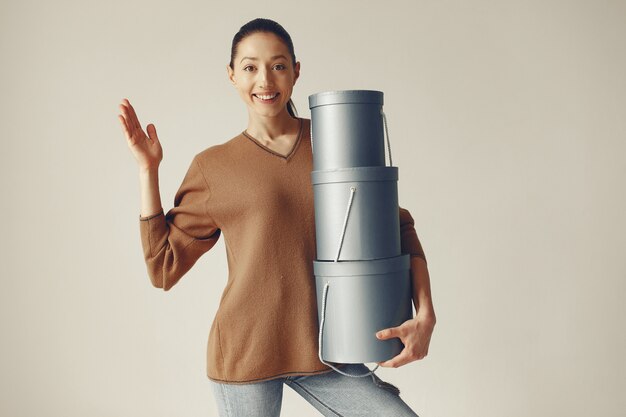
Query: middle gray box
[372,230]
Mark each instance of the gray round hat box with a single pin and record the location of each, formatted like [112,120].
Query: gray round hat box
[363,297]
[363,281]
[348,129]
[372,231]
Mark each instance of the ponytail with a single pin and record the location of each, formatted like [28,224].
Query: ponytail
[291,108]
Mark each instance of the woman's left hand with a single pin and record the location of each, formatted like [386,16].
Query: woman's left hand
[415,335]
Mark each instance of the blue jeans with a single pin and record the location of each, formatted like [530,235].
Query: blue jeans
[331,393]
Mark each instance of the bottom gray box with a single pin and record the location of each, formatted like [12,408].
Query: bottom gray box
[362,298]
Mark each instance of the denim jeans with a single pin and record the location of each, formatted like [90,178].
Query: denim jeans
[331,393]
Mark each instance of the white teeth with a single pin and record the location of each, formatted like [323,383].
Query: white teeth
[266,97]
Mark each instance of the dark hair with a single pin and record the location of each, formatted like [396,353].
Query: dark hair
[265,25]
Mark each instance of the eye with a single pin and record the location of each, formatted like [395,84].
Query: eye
[280,65]
[248,66]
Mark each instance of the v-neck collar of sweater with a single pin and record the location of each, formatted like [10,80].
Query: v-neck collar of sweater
[273,152]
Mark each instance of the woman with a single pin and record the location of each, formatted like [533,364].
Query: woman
[255,190]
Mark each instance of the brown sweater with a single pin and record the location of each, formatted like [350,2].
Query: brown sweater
[261,202]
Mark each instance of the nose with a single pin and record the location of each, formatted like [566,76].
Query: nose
[264,78]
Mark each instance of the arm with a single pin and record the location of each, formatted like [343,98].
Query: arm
[150,194]
[173,242]
[148,153]
[416,332]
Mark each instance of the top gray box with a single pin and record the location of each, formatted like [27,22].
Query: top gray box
[347,129]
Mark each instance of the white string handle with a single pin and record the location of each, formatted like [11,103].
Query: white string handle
[345,222]
[387,135]
[311,134]
[320,341]
[379,382]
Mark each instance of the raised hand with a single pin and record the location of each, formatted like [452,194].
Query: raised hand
[145,148]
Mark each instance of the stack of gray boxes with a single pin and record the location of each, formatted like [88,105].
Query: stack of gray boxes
[362,279]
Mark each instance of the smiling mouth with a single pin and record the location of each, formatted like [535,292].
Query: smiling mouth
[267,98]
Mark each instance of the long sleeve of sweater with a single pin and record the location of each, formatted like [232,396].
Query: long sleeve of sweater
[173,242]
[409,242]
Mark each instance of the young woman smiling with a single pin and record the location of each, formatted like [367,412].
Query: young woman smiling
[255,190]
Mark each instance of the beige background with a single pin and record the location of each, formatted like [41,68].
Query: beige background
[507,120]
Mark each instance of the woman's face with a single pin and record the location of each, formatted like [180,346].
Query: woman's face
[263,73]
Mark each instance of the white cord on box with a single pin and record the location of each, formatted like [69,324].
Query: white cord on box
[345,222]
[387,134]
[371,372]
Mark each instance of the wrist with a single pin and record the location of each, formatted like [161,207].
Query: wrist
[426,313]
[151,170]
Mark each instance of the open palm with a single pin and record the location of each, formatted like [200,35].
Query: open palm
[145,148]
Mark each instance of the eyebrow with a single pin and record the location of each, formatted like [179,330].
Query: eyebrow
[256,59]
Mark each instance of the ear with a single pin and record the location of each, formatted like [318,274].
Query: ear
[231,75]
[297,71]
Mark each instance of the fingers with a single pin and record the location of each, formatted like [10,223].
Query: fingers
[127,119]
[125,107]
[152,134]
[402,358]
[389,333]
[415,342]
[135,119]
[130,115]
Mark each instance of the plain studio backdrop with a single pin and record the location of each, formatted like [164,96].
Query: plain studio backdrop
[507,121]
